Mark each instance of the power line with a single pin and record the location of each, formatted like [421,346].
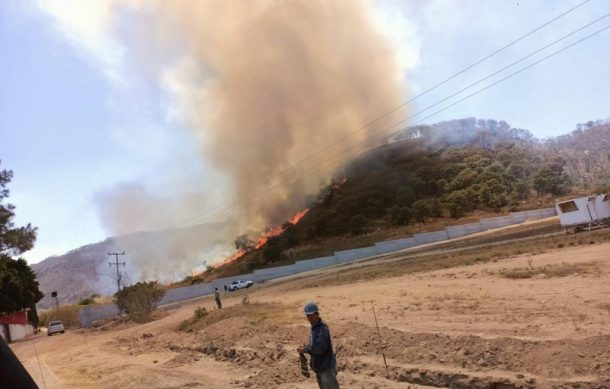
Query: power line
[397,108]
[384,130]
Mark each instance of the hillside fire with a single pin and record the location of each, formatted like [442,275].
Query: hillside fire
[262,240]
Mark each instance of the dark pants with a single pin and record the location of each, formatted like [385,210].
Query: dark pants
[218,303]
[327,379]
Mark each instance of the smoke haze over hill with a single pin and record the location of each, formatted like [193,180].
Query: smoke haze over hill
[260,86]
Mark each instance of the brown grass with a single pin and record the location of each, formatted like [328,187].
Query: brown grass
[444,256]
[255,313]
[550,271]
[68,314]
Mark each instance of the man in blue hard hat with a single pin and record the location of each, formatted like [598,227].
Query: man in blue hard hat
[323,361]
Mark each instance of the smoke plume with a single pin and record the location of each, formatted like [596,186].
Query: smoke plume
[282,80]
[261,85]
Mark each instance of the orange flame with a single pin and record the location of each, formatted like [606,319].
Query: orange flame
[265,237]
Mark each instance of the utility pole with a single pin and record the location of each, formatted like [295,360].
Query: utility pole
[117,264]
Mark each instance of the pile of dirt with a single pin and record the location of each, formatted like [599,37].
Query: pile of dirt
[242,337]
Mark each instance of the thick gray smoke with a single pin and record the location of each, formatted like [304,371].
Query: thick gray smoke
[262,85]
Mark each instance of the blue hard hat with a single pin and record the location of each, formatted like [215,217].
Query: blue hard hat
[310,308]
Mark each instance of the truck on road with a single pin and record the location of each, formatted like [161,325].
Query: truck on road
[239,284]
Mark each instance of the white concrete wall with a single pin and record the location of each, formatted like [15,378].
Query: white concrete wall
[186,293]
[274,272]
[221,282]
[20,331]
[89,314]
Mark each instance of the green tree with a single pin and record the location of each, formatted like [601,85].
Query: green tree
[19,288]
[357,224]
[405,196]
[400,215]
[140,300]
[426,208]
[460,202]
[550,178]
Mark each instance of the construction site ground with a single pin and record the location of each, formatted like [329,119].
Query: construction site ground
[484,318]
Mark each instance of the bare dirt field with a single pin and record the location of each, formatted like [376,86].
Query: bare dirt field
[534,320]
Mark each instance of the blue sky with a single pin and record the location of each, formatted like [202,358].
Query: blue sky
[78,115]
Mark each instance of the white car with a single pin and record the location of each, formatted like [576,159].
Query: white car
[239,284]
[54,327]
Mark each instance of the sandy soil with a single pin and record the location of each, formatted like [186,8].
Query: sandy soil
[478,326]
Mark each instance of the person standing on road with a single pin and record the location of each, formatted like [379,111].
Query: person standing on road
[323,361]
[217,298]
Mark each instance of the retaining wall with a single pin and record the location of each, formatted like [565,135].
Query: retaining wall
[186,293]
[274,272]
[316,263]
[221,282]
[352,255]
[90,314]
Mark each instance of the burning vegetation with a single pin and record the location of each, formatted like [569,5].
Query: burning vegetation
[244,244]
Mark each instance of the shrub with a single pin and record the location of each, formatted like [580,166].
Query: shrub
[272,251]
[140,300]
[86,301]
[357,224]
[200,313]
[400,215]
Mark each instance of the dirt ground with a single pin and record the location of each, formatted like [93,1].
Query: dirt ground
[529,321]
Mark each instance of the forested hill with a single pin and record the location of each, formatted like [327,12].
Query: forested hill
[423,178]
[430,175]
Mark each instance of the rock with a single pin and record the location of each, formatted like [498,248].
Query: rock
[520,376]
[147,335]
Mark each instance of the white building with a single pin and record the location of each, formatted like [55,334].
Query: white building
[584,212]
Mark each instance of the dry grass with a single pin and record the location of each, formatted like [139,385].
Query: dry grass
[68,314]
[444,257]
[255,313]
[550,271]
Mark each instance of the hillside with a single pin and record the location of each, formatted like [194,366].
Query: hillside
[427,177]
[73,275]
[422,179]
[85,270]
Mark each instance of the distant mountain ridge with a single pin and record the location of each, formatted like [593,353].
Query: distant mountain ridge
[73,275]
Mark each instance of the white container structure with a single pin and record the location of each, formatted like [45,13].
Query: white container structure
[584,212]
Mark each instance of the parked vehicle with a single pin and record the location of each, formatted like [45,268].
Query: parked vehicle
[239,284]
[55,327]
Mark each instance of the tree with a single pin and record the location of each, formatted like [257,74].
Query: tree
[550,178]
[19,288]
[357,224]
[140,300]
[400,215]
[426,208]
[272,251]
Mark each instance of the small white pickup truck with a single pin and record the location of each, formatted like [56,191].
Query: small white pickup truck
[239,284]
